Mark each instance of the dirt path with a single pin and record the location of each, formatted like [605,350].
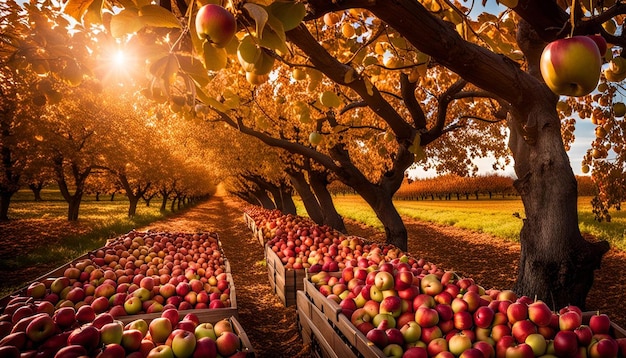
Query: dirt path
[271,327]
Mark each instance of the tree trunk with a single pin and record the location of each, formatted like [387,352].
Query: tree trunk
[36,189]
[132,206]
[264,198]
[74,207]
[5,201]
[557,264]
[312,206]
[319,183]
[97,196]
[289,207]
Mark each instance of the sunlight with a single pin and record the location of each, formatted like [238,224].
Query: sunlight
[119,58]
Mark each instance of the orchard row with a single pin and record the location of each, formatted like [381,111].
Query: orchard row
[408,307]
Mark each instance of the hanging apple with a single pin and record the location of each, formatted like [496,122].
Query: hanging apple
[216,24]
[571,66]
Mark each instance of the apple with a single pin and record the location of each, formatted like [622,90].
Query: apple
[459,343]
[426,316]
[378,337]
[228,343]
[161,351]
[517,311]
[160,329]
[445,312]
[133,305]
[216,24]
[600,323]
[138,324]
[205,348]
[85,314]
[565,344]
[431,285]
[205,330]
[383,280]
[100,304]
[522,329]
[483,316]
[167,290]
[102,319]
[394,336]
[393,350]
[568,321]
[403,280]
[186,325]
[436,346]
[36,290]
[488,349]
[143,294]
[521,350]
[87,336]
[423,300]
[463,320]
[584,334]
[131,339]
[385,318]
[65,317]
[40,328]
[537,342]
[571,66]
[411,331]
[111,333]
[72,350]
[539,313]
[415,352]
[391,305]
[603,347]
[430,333]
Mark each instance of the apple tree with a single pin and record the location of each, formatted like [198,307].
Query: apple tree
[440,82]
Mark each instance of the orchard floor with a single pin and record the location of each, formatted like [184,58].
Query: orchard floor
[273,329]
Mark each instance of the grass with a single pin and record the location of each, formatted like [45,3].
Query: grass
[492,216]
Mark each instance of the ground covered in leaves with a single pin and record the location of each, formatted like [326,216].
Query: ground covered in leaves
[273,328]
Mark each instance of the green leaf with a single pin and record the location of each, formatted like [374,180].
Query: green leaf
[290,13]
[259,15]
[214,58]
[125,22]
[157,16]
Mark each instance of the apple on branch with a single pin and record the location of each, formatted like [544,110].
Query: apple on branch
[571,66]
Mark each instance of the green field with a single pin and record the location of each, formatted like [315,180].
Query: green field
[495,216]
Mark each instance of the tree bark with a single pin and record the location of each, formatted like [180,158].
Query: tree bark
[263,198]
[36,189]
[312,206]
[5,201]
[289,207]
[319,183]
[73,200]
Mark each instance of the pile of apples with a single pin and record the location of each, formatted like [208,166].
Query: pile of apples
[301,244]
[67,332]
[408,311]
[142,273]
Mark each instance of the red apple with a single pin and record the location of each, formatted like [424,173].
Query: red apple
[565,344]
[568,77]
[40,328]
[205,348]
[600,323]
[228,343]
[216,24]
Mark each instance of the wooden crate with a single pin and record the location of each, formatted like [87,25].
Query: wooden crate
[319,333]
[329,308]
[285,282]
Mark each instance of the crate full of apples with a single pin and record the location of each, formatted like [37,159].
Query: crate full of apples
[141,273]
[401,310]
[29,328]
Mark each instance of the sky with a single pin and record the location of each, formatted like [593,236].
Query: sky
[584,133]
